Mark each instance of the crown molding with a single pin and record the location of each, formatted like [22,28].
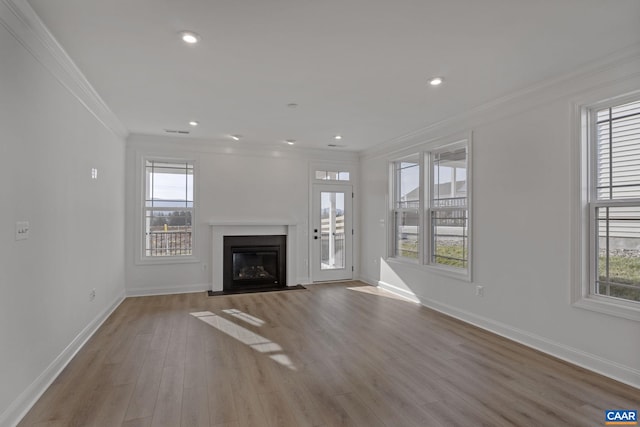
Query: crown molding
[200,145]
[27,28]
[620,65]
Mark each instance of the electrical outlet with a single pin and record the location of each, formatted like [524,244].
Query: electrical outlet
[479,290]
[22,230]
[92,295]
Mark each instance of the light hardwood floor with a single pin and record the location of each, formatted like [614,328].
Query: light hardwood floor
[332,355]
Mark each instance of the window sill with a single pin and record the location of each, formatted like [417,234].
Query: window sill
[442,271]
[167,260]
[610,306]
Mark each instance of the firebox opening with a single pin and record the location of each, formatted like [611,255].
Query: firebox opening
[255,265]
[252,262]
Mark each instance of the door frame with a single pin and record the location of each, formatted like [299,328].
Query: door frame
[344,161]
[349,268]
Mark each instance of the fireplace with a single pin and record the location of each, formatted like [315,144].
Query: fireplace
[254,262]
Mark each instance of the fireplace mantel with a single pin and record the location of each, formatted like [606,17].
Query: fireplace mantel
[250,223]
[235,227]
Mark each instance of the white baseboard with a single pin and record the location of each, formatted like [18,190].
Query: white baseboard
[367,280]
[187,289]
[21,405]
[591,362]
[304,280]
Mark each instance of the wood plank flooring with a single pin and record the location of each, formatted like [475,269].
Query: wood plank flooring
[333,355]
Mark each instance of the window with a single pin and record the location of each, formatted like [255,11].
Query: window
[448,210]
[326,175]
[614,201]
[406,208]
[168,209]
[430,212]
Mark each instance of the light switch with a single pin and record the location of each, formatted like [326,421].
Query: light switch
[22,230]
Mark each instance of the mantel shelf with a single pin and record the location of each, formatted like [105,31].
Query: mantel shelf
[257,223]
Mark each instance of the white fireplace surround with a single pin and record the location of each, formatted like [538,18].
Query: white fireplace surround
[219,229]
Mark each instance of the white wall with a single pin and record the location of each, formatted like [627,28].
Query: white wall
[233,183]
[49,142]
[524,190]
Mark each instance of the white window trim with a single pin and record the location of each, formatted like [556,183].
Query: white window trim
[584,240]
[423,262]
[443,269]
[140,257]
[391,235]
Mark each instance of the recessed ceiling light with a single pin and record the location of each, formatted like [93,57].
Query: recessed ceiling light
[290,141]
[338,137]
[436,81]
[190,37]
[292,105]
[193,123]
[236,137]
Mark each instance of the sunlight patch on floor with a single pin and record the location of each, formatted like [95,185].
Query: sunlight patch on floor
[252,320]
[255,341]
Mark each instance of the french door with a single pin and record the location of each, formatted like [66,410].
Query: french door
[331,232]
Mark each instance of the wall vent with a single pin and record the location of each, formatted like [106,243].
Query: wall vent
[182,132]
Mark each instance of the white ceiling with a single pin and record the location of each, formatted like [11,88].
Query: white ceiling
[358,68]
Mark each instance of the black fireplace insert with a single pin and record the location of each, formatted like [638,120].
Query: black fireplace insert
[254,262]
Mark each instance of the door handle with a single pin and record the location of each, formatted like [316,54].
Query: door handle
[315,237]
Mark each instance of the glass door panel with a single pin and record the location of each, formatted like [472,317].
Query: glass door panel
[331,232]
